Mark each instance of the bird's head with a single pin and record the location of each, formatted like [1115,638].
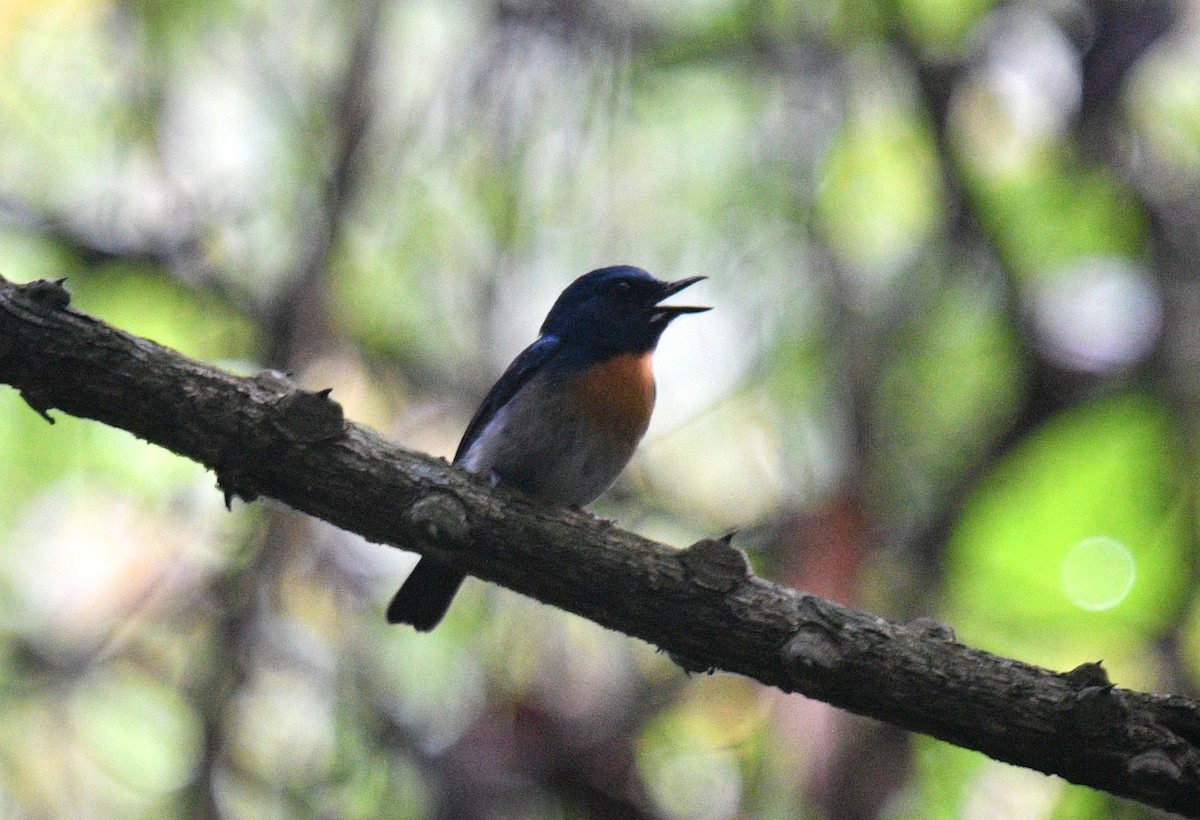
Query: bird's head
[616,309]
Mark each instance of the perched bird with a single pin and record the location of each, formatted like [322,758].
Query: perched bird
[566,416]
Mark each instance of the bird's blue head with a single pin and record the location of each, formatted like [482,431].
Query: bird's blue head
[616,310]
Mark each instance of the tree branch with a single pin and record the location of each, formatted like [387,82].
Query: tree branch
[263,435]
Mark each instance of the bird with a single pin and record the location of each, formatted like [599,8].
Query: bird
[566,416]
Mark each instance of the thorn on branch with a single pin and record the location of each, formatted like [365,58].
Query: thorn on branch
[37,407]
[1087,674]
[690,666]
[47,294]
[230,483]
[307,417]
[715,564]
[249,496]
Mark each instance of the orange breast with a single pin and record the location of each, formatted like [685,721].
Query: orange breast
[617,396]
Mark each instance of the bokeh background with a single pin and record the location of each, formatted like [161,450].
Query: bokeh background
[953,370]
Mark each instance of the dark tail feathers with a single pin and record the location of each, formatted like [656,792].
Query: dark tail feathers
[425,596]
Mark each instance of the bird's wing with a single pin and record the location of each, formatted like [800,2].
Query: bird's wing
[529,362]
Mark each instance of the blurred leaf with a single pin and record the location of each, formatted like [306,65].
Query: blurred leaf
[944,396]
[695,154]
[433,685]
[880,198]
[284,729]
[687,756]
[1088,505]
[941,26]
[740,436]
[370,782]
[27,256]
[145,302]
[954,783]
[851,21]
[1052,211]
[138,729]
[61,114]
[1164,98]
[1190,640]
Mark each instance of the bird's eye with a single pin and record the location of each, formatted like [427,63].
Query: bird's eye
[622,286]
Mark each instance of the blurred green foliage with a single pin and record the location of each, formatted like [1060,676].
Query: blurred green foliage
[949,373]
[1100,548]
[880,198]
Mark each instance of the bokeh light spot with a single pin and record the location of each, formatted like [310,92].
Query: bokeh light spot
[1099,314]
[1098,573]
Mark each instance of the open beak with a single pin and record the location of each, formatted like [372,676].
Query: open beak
[671,311]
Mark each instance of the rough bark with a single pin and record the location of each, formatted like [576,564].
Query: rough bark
[264,436]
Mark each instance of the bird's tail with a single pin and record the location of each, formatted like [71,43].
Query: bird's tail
[425,596]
